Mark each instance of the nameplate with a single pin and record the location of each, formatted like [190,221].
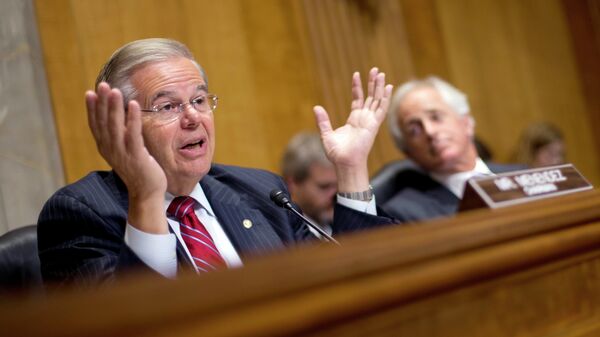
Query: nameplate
[517,187]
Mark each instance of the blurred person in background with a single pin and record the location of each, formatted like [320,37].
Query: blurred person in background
[541,144]
[430,122]
[310,178]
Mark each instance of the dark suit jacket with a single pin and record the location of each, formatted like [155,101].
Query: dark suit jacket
[417,197]
[81,227]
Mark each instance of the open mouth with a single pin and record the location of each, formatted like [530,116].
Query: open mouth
[193,145]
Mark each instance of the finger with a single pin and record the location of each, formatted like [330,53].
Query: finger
[102,106]
[134,140]
[371,84]
[379,90]
[101,116]
[370,88]
[357,92]
[323,121]
[387,96]
[90,104]
[379,85]
[381,111]
[116,117]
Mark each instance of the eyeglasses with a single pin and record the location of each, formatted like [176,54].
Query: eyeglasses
[170,111]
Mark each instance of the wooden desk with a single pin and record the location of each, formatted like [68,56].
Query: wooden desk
[527,270]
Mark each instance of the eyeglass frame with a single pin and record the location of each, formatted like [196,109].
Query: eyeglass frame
[212,99]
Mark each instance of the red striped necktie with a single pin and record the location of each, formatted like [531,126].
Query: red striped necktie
[194,234]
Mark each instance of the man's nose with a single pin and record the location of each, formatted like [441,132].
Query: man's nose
[189,115]
[429,127]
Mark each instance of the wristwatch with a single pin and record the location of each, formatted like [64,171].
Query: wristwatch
[362,196]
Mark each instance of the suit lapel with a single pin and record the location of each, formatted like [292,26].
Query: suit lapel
[445,199]
[436,195]
[245,225]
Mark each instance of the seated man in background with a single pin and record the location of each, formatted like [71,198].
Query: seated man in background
[430,122]
[165,205]
[310,178]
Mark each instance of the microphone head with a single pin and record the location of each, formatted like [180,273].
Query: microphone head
[279,198]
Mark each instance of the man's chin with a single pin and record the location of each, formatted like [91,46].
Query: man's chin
[439,165]
[450,165]
[193,174]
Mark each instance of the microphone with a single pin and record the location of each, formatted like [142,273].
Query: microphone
[281,200]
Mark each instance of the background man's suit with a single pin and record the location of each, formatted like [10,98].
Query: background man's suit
[410,194]
[81,227]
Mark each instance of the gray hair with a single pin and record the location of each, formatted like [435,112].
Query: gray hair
[456,99]
[302,151]
[126,60]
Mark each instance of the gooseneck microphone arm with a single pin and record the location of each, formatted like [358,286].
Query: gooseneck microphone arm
[281,200]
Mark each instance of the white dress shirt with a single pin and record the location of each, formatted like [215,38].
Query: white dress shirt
[456,182]
[158,251]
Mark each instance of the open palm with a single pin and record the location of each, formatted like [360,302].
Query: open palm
[350,144]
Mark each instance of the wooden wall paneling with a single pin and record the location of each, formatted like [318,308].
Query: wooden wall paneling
[583,18]
[394,56]
[555,84]
[425,40]
[514,61]
[348,36]
[221,41]
[326,42]
[478,44]
[255,62]
[68,81]
[280,76]
[224,42]
[512,58]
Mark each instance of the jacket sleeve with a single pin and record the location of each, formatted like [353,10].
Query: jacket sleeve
[79,245]
[349,220]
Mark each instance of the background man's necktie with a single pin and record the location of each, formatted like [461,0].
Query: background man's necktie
[194,234]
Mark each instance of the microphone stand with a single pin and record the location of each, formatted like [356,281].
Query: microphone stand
[312,225]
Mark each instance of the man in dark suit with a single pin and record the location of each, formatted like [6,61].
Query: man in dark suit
[310,178]
[165,204]
[430,122]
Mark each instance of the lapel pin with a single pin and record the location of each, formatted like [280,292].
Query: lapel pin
[247,223]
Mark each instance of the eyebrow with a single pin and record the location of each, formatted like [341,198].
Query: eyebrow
[200,87]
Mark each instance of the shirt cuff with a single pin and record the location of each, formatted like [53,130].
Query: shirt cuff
[158,251]
[368,207]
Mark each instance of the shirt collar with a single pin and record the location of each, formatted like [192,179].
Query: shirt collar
[197,194]
[455,182]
